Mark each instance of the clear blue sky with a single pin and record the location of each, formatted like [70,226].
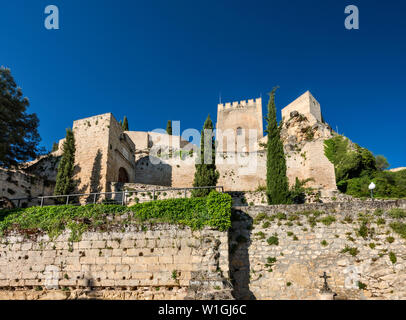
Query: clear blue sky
[159,60]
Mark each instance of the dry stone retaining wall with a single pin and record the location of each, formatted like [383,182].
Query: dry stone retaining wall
[172,262]
[291,268]
[163,262]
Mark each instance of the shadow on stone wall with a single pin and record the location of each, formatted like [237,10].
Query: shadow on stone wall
[147,172]
[239,263]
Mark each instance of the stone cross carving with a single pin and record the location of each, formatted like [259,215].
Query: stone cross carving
[326,288]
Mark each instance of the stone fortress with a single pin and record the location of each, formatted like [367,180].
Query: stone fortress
[270,252]
[105,154]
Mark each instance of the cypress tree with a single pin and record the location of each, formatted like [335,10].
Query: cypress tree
[277,186]
[125,124]
[64,179]
[169,127]
[55,146]
[206,174]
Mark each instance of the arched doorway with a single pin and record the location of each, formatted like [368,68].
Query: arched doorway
[123,175]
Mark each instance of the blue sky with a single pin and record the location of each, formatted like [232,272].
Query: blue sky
[160,60]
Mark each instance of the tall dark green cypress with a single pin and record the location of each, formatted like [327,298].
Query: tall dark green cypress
[206,174]
[125,124]
[64,179]
[169,127]
[277,186]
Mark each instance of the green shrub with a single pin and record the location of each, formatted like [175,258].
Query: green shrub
[399,228]
[362,286]
[281,216]
[324,243]
[390,239]
[260,216]
[260,235]
[270,261]
[266,224]
[328,220]
[378,212]
[392,257]
[363,230]
[397,213]
[213,211]
[352,251]
[380,221]
[273,240]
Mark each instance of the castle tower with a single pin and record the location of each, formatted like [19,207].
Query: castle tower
[238,120]
[307,105]
[104,154]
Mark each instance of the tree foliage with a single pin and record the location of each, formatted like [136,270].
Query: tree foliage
[356,168]
[276,179]
[349,161]
[169,127]
[64,179]
[206,174]
[125,124]
[19,138]
[55,147]
[381,162]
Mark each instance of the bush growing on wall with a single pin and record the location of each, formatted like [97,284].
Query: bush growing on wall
[213,211]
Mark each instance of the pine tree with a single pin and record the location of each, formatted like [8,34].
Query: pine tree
[169,127]
[277,187]
[19,138]
[206,174]
[64,179]
[125,124]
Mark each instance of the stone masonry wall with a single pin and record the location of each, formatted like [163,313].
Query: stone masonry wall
[151,262]
[271,252]
[273,256]
[15,184]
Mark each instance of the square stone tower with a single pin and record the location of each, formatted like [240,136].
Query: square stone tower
[307,105]
[104,153]
[235,120]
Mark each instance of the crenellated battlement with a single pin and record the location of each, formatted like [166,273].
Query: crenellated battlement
[240,104]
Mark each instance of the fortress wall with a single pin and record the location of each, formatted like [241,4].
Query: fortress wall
[302,255]
[18,184]
[310,162]
[164,262]
[120,154]
[139,138]
[92,143]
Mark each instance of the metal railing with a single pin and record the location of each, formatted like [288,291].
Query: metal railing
[116,197]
